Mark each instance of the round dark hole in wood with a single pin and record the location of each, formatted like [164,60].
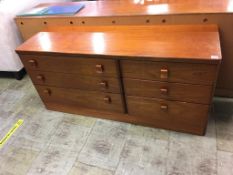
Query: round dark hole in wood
[83,22]
[147,21]
[205,20]
[45,22]
[71,22]
[113,22]
[21,23]
[164,21]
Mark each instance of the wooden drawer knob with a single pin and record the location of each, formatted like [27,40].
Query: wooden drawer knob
[164,107]
[40,77]
[164,91]
[104,84]
[47,91]
[32,63]
[164,73]
[107,99]
[99,68]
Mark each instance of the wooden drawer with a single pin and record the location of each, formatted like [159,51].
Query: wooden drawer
[89,99]
[68,64]
[171,91]
[171,72]
[170,114]
[105,84]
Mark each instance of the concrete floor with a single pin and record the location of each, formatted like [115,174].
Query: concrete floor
[56,143]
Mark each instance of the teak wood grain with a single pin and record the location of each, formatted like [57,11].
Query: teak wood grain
[69,64]
[89,99]
[143,29]
[169,91]
[149,121]
[194,46]
[176,72]
[65,76]
[132,7]
[64,80]
[181,114]
[148,13]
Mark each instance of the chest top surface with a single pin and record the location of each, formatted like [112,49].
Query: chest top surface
[155,42]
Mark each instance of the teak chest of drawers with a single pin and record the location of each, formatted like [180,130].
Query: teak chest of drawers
[162,78]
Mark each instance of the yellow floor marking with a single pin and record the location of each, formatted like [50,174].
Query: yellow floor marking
[12,130]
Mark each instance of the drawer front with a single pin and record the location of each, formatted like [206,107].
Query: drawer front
[171,72]
[105,84]
[170,91]
[177,114]
[81,66]
[89,99]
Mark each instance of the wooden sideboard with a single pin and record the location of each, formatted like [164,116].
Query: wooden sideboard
[162,78]
[149,13]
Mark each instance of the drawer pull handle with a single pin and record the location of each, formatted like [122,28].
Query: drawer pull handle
[32,63]
[164,91]
[99,68]
[47,91]
[164,73]
[107,100]
[104,84]
[40,77]
[164,107]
